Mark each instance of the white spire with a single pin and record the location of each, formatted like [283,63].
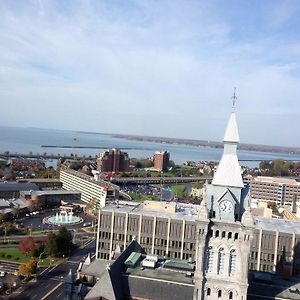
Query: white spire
[231,133]
[229,171]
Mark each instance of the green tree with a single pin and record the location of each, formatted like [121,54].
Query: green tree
[64,241]
[60,244]
[51,247]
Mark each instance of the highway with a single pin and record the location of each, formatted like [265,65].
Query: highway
[50,282]
[158,180]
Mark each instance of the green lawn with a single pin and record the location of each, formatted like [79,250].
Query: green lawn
[15,256]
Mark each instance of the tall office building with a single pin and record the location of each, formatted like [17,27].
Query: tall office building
[161,160]
[113,160]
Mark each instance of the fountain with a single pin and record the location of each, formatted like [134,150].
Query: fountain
[63,218]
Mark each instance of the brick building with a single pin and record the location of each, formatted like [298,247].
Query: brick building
[161,160]
[113,160]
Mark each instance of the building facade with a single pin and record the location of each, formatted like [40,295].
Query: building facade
[89,188]
[282,191]
[113,160]
[161,160]
[220,235]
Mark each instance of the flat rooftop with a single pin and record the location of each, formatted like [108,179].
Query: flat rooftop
[281,225]
[12,186]
[163,209]
[52,192]
[278,180]
[189,212]
[160,273]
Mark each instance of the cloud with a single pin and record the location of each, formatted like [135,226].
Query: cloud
[164,68]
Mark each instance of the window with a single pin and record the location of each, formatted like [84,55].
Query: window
[236,236]
[208,292]
[219,294]
[232,262]
[230,295]
[217,233]
[221,260]
[223,234]
[230,235]
[210,259]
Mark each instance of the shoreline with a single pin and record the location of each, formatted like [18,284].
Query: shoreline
[209,144]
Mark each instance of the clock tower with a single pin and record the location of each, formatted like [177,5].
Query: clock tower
[224,228]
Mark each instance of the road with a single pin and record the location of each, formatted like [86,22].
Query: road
[50,281]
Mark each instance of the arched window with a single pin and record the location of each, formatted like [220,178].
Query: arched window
[217,233]
[219,294]
[210,259]
[223,234]
[236,236]
[232,262]
[230,295]
[221,260]
[208,292]
[230,235]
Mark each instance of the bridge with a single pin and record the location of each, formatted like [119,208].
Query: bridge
[158,180]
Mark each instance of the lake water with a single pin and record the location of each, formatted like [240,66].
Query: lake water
[25,140]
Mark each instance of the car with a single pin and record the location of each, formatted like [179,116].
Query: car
[87,224]
[2,274]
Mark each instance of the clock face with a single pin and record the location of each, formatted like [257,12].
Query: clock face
[226,206]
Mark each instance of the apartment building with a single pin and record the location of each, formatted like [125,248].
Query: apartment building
[161,160]
[89,187]
[113,160]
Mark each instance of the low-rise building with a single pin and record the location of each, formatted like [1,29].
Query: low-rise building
[169,229]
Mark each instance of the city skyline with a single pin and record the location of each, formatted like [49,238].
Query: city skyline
[147,69]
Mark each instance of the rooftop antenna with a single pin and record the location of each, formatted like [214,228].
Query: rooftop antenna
[234,98]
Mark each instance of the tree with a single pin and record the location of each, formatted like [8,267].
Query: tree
[29,268]
[3,217]
[51,248]
[64,241]
[26,245]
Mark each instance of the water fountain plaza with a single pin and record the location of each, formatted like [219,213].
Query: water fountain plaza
[63,218]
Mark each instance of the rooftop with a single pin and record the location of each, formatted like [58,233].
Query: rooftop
[182,210]
[281,225]
[276,180]
[51,192]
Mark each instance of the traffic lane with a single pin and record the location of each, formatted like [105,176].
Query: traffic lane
[46,282]
[77,255]
[57,294]
[52,276]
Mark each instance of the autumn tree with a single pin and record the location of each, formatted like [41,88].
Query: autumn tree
[29,268]
[26,245]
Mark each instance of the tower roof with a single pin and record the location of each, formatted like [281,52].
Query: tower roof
[232,133]
[229,171]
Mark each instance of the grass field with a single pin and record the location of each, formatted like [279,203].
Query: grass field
[13,255]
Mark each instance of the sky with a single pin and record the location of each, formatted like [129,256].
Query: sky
[157,68]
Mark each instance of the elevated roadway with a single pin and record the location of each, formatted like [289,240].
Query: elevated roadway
[158,180]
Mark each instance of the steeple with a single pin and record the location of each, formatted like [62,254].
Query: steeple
[229,171]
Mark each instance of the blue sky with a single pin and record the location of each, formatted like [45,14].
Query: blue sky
[160,68]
